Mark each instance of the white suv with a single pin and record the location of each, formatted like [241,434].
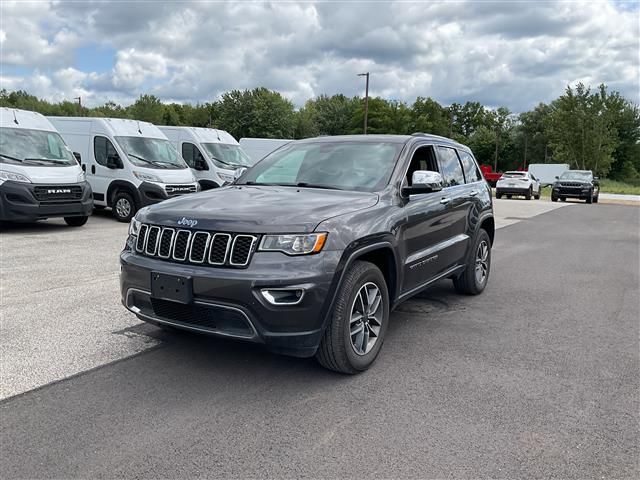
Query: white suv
[518,183]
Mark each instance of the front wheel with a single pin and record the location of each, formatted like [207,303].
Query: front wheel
[595,199]
[123,207]
[590,197]
[75,221]
[476,273]
[352,340]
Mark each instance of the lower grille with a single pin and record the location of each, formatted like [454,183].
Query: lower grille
[202,316]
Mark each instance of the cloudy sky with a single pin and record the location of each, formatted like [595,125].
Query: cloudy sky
[499,53]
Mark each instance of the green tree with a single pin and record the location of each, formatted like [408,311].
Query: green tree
[581,129]
[428,116]
[147,108]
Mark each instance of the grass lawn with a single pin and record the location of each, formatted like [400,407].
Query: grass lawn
[613,186]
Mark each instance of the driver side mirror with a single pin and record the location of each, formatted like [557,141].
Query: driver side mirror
[113,161]
[423,181]
[78,157]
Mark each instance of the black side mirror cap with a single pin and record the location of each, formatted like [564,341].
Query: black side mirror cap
[78,157]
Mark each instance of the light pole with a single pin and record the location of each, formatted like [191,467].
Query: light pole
[366,100]
[79,105]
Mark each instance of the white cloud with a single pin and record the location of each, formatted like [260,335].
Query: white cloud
[499,53]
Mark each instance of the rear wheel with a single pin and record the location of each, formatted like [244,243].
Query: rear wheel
[352,340]
[529,194]
[498,195]
[537,195]
[123,206]
[476,274]
[75,221]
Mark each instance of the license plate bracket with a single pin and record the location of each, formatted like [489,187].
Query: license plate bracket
[175,288]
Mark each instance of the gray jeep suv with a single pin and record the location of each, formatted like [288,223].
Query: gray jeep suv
[311,248]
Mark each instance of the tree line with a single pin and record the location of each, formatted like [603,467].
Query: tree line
[587,129]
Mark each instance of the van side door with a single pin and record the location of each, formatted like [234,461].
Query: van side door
[107,167]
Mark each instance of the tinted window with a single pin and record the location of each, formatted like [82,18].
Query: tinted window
[450,167]
[471,172]
[423,159]
[102,149]
[191,154]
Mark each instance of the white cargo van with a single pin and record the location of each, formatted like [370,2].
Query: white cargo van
[215,157]
[258,148]
[546,173]
[39,175]
[128,163]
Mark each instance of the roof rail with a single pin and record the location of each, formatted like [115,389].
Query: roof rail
[422,134]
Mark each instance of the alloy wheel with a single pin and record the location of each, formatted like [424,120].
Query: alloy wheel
[366,318]
[123,208]
[482,262]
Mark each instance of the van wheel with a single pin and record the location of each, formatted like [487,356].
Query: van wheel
[123,206]
[476,274]
[354,336]
[75,221]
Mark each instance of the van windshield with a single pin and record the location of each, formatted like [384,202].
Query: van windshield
[34,148]
[229,155]
[151,152]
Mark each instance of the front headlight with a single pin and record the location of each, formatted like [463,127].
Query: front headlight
[146,177]
[13,177]
[134,227]
[294,244]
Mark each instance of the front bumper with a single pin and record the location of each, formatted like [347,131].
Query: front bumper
[20,203]
[572,192]
[228,301]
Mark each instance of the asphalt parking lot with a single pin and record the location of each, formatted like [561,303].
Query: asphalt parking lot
[539,376]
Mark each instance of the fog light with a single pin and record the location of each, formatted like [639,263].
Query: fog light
[283,296]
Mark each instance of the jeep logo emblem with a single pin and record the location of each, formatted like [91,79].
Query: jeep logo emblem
[187,222]
[58,190]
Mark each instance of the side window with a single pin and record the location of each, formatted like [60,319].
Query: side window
[450,167]
[102,149]
[423,159]
[471,172]
[191,154]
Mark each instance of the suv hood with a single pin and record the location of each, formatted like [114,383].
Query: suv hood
[258,209]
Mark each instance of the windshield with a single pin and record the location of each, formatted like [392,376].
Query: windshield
[151,152]
[344,166]
[34,148]
[575,175]
[231,155]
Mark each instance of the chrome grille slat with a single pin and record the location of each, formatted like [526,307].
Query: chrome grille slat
[200,255]
[151,243]
[215,245]
[196,246]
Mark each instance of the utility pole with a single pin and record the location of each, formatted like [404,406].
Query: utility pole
[495,159]
[525,151]
[366,100]
[79,105]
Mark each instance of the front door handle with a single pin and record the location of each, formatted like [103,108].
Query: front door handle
[445,200]
[473,193]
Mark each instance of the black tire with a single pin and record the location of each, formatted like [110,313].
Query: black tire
[337,351]
[595,199]
[498,195]
[529,194]
[468,283]
[590,198]
[119,208]
[75,221]
[537,195]
[554,198]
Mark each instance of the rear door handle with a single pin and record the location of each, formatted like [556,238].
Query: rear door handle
[473,193]
[93,169]
[445,200]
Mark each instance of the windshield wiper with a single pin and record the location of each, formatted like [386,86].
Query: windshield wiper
[232,165]
[50,160]
[315,185]
[11,158]
[150,162]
